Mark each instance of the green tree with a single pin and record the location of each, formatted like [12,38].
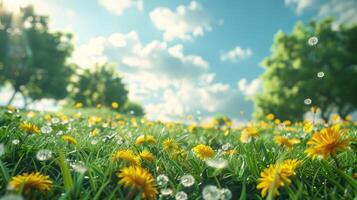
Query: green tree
[133,108]
[291,71]
[34,59]
[100,85]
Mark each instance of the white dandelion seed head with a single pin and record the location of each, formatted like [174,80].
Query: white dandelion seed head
[46,129]
[181,195]
[59,133]
[55,120]
[226,146]
[307,101]
[187,180]
[313,41]
[226,194]
[94,142]
[15,141]
[211,192]
[43,155]
[320,74]
[218,163]
[78,166]
[166,191]
[162,180]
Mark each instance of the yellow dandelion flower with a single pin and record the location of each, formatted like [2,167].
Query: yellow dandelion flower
[327,142]
[192,128]
[78,105]
[30,128]
[147,155]
[270,116]
[230,152]
[93,120]
[179,153]
[277,121]
[139,179]
[248,133]
[276,176]
[115,105]
[30,181]
[169,145]
[285,141]
[308,127]
[203,151]
[48,117]
[348,118]
[69,139]
[287,123]
[126,155]
[94,132]
[145,139]
[336,118]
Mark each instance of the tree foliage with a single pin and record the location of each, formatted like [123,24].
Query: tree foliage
[292,68]
[99,85]
[133,108]
[33,58]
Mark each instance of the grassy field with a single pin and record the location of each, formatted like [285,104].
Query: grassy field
[97,154]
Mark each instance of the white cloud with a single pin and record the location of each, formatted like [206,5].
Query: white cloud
[300,5]
[343,11]
[208,100]
[119,6]
[131,55]
[236,54]
[249,89]
[170,83]
[184,23]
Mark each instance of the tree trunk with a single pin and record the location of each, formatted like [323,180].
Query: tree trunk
[12,98]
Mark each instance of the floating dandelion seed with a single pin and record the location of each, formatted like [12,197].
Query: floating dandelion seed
[217,163]
[162,180]
[46,129]
[181,195]
[187,180]
[307,101]
[78,166]
[211,192]
[166,191]
[15,141]
[2,149]
[11,197]
[43,155]
[226,194]
[94,142]
[313,41]
[320,74]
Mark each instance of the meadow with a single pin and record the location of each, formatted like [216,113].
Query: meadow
[99,154]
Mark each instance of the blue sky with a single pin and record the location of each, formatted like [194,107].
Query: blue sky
[181,58]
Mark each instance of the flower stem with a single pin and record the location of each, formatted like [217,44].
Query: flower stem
[130,195]
[336,161]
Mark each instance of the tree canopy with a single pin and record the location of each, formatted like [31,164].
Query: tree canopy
[100,85]
[299,70]
[33,59]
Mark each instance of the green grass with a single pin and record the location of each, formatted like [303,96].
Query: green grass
[314,179]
